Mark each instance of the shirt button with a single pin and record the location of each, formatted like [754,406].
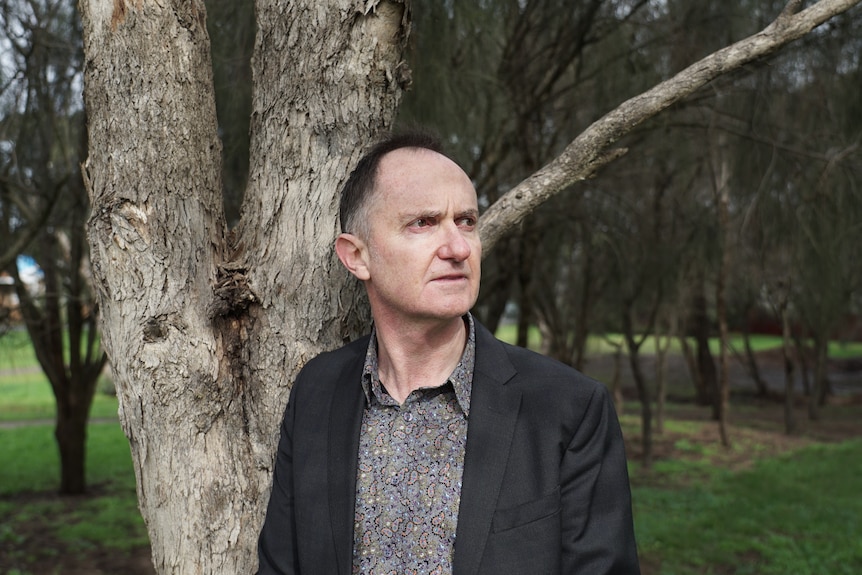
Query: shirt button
[408,416]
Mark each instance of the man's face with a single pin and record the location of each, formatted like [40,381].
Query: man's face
[423,251]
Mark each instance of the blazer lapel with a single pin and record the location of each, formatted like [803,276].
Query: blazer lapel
[494,410]
[345,422]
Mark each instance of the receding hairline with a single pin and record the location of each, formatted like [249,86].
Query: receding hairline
[361,185]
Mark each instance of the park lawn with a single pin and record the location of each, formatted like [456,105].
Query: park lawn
[38,527]
[16,351]
[798,514]
[597,344]
[26,395]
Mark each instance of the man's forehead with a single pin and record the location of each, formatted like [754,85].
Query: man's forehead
[411,166]
[403,161]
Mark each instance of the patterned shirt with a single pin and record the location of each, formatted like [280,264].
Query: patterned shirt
[411,458]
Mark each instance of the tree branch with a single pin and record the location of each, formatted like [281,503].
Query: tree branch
[589,151]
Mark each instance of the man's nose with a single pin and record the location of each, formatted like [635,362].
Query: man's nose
[454,245]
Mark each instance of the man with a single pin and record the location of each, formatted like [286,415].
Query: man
[430,447]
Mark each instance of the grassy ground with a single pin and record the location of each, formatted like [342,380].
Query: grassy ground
[769,504]
[798,513]
[42,533]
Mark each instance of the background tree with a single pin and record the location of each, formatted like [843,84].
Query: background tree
[44,207]
[231,27]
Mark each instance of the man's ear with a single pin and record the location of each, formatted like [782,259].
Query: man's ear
[353,253]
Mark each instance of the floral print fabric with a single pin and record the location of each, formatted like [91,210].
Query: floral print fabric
[411,458]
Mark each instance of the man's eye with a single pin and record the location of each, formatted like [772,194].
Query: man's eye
[422,222]
[468,221]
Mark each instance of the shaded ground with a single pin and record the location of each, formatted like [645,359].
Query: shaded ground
[756,431]
[33,548]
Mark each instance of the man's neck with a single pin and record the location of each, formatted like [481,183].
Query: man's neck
[418,356]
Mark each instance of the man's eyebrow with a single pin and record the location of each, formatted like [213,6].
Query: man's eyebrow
[420,213]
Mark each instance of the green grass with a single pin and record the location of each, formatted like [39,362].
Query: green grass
[25,393]
[36,525]
[799,514]
[598,344]
[29,460]
[845,349]
[509,333]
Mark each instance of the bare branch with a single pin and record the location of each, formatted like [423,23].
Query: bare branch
[589,151]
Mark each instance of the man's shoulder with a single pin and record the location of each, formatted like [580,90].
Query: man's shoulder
[336,360]
[521,359]
[534,372]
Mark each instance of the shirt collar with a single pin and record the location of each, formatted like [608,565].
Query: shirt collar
[461,377]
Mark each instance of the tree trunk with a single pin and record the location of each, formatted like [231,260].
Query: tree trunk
[71,434]
[73,383]
[815,400]
[616,379]
[526,247]
[497,280]
[585,302]
[707,379]
[205,329]
[691,363]
[753,368]
[662,346]
[721,181]
[789,419]
[802,356]
[633,348]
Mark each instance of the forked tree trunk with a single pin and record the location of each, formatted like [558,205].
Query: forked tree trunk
[207,328]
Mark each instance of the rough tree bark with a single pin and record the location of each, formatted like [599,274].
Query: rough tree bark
[206,328]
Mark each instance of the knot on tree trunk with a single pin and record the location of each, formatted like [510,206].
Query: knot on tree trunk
[232,293]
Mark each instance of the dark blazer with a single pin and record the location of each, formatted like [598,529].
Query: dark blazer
[545,488]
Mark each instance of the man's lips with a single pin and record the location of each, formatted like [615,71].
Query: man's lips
[451,277]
